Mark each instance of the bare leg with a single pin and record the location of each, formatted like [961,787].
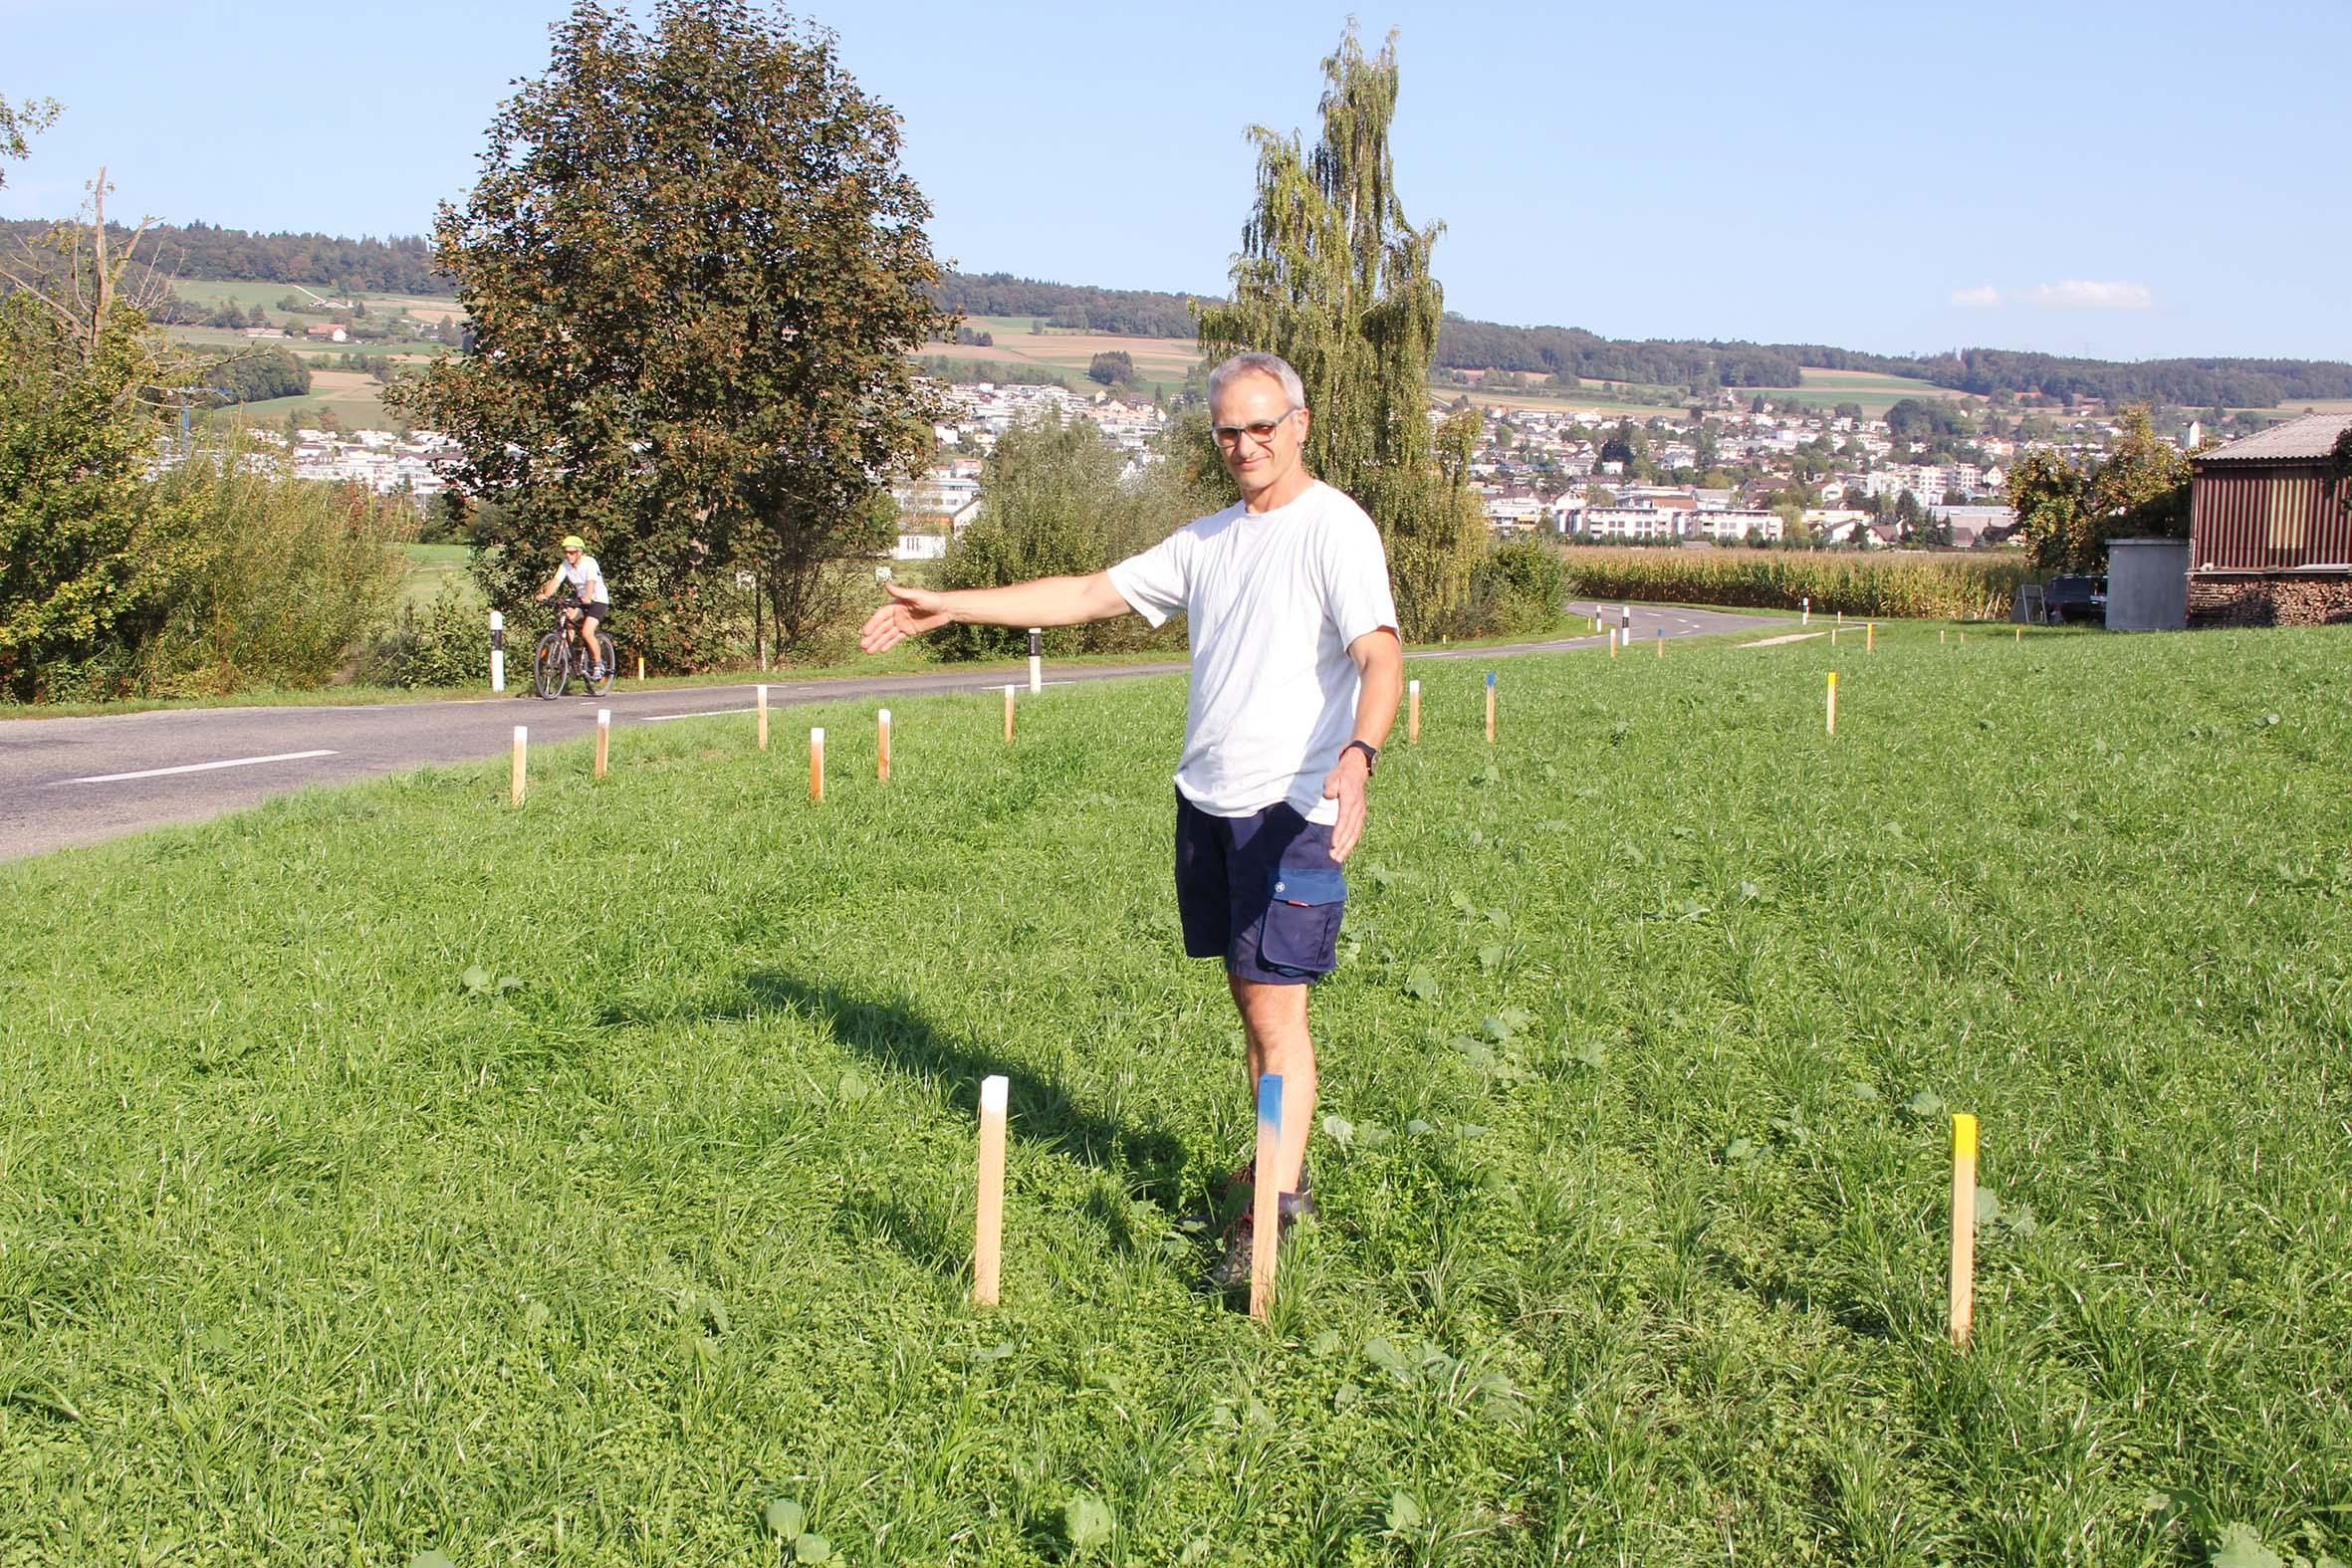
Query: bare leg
[1274,1018]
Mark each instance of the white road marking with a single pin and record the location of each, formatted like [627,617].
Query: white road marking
[1774,642]
[709,713]
[201,767]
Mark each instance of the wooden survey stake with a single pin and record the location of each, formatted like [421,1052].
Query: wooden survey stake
[1661,642]
[640,666]
[1490,707]
[1834,702]
[1266,1205]
[1870,637]
[1008,716]
[817,765]
[987,1238]
[1963,1227]
[763,691]
[882,747]
[1412,713]
[603,739]
[516,773]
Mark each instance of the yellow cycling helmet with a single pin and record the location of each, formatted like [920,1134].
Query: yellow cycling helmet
[575,541]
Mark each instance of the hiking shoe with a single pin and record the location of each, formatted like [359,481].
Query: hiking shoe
[1238,1187]
[1241,1242]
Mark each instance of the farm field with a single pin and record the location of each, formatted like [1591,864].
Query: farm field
[1160,362]
[359,1205]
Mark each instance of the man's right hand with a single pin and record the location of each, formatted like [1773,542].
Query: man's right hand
[910,613]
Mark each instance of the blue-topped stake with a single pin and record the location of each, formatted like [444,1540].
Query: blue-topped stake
[1490,707]
[1266,1227]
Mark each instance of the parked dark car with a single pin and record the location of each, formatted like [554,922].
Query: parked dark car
[2072,599]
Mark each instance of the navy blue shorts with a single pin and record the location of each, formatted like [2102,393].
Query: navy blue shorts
[1261,892]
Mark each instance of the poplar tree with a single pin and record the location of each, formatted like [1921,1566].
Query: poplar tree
[1334,278]
[693,271]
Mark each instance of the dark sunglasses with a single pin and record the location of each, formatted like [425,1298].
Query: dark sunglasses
[1260,433]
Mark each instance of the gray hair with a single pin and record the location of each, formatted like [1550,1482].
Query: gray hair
[1254,364]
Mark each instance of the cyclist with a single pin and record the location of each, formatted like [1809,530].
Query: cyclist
[587,578]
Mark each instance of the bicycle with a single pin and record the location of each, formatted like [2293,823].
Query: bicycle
[554,663]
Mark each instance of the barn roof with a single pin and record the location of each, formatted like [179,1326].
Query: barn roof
[2305,440]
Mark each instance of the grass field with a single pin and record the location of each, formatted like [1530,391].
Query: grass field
[358,1205]
[432,567]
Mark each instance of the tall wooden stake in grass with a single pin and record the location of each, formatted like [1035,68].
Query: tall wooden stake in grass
[1943,633]
[2020,631]
[817,765]
[640,666]
[603,739]
[1266,1223]
[987,1238]
[1008,716]
[1661,642]
[1963,1227]
[1490,707]
[1833,703]
[763,705]
[1412,713]
[882,747]
[1870,637]
[516,771]
[1614,640]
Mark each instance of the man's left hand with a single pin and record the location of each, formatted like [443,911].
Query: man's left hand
[1345,784]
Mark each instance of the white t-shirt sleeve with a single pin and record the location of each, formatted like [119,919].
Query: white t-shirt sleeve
[1354,566]
[1156,582]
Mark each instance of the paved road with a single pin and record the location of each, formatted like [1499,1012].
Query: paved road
[67,782]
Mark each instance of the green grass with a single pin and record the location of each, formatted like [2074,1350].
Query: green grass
[432,567]
[1646,1031]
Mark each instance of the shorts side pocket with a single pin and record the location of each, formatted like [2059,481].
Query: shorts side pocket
[1300,933]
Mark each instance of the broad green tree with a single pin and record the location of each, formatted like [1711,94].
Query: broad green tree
[693,270]
[1334,278]
[2067,514]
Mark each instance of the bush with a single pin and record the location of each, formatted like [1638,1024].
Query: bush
[1058,504]
[448,645]
[293,575]
[1520,589]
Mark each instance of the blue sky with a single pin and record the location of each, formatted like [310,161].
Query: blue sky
[2119,179]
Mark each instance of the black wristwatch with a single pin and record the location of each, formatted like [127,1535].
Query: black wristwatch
[1371,755]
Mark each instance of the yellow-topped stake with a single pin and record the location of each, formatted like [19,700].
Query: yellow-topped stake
[1834,702]
[1963,1227]
[1870,637]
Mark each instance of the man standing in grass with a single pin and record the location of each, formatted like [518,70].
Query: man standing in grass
[1296,668]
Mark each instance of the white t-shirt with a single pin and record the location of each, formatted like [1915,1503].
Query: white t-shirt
[1272,599]
[587,580]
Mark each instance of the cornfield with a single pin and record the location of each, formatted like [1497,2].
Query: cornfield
[1920,586]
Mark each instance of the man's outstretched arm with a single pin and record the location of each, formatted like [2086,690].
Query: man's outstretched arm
[1046,601]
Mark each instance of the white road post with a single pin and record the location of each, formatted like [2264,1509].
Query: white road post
[496,652]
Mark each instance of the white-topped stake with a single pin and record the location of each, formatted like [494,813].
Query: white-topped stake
[496,652]
[516,771]
[987,1230]
[817,765]
[882,745]
[604,738]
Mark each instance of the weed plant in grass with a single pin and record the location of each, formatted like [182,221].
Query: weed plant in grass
[357,1200]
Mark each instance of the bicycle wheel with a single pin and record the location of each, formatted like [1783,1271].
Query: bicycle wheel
[599,685]
[551,666]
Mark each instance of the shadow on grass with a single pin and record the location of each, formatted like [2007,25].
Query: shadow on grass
[1043,1112]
